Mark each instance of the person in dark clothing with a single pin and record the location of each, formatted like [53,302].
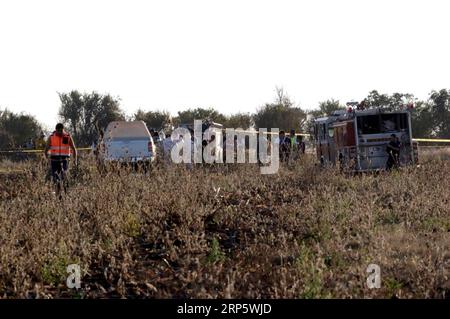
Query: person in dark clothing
[60,145]
[284,147]
[393,150]
[301,145]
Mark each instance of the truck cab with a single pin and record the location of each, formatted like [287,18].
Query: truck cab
[357,139]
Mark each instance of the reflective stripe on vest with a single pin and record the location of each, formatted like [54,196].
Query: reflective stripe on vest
[57,145]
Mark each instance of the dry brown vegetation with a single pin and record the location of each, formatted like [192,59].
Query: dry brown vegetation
[227,232]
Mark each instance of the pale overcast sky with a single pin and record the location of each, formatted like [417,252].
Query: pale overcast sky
[226,54]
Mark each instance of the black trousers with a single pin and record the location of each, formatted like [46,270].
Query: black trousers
[392,161]
[59,166]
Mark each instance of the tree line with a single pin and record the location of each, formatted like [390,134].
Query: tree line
[84,114]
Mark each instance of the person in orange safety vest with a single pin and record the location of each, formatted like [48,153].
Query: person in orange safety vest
[60,147]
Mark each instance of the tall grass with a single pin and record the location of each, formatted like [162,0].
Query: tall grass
[227,232]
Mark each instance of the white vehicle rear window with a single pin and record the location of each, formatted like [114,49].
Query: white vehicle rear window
[126,130]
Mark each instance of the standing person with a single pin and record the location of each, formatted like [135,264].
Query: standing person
[293,146]
[155,137]
[292,139]
[60,145]
[30,144]
[301,144]
[167,145]
[284,146]
[40,142]
[393,150]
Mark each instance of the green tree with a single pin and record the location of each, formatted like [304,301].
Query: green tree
[6,140]
[399,100]
[84,113]
[280,114]
[154,119]
[188,116]
[71,110]
[386,101]
[439,103]
[239,120]
[327,107]
[376,100]
[422,120]
[17,129]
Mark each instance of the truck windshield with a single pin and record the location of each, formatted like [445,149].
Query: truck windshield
[369,124]
[382,123]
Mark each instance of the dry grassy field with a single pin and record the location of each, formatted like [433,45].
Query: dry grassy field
[227,232]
